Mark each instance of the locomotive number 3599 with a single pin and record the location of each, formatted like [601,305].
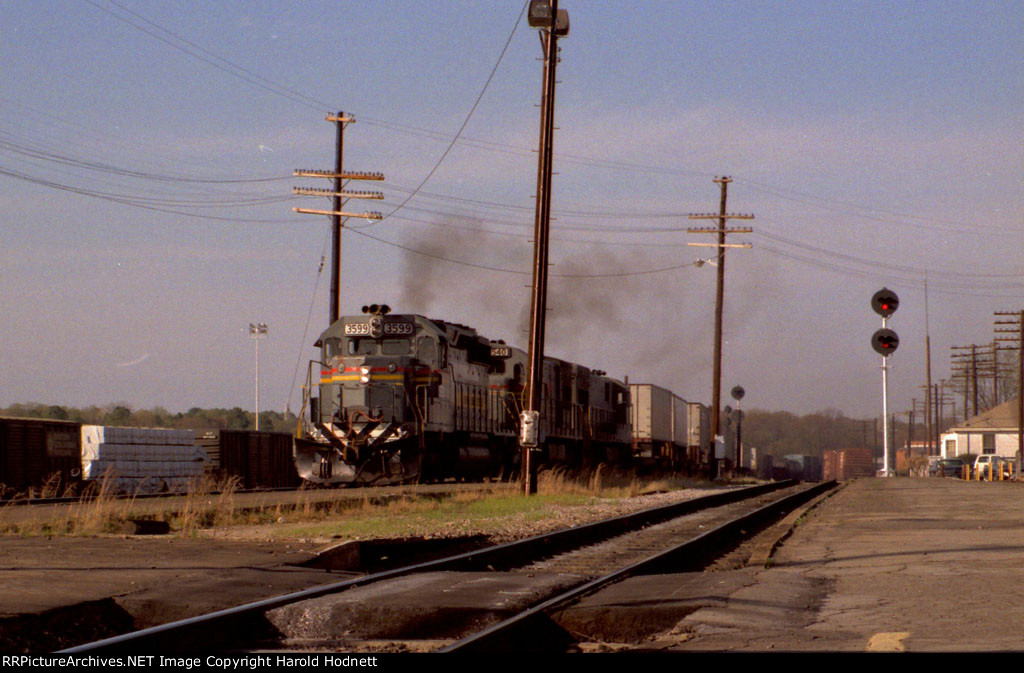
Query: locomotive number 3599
[390,329]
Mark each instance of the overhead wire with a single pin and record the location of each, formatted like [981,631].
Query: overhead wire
[469,115]
[191,48]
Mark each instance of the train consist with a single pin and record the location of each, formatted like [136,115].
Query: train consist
[403,397]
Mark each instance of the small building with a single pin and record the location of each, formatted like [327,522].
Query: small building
[912,458]
[992,432]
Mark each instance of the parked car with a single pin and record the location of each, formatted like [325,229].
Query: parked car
[998,463]
[948,467]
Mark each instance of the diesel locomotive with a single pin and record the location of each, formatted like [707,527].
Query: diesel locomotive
[403,397]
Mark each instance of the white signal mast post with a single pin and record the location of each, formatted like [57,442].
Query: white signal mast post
[885,341]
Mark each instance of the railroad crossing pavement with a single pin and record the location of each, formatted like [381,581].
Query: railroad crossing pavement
[925,565]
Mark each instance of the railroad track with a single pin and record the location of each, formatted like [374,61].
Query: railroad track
[493,599]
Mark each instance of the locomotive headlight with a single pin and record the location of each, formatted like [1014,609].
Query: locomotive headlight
[364,374]
[392,367]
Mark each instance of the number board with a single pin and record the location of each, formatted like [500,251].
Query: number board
[501,352]
[389,329]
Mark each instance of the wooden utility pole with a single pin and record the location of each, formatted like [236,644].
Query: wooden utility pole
[338,198]
[1016,327]
[553,24]
[932,444]
[721,230]
[972,362]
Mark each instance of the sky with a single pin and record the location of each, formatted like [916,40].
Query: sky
[147,152]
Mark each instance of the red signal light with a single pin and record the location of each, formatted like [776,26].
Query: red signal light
[885,302]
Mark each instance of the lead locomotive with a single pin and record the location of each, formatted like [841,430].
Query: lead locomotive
[405,397]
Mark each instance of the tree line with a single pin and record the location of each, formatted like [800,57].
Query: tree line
[782,433]
[123,414]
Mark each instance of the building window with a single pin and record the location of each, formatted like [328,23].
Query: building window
[950,447]
[988,443]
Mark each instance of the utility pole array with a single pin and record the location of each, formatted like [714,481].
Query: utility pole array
[970,363]
[721,245]
[1015,326]
[338,197]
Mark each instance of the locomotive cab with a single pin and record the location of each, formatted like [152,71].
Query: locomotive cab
[377,373]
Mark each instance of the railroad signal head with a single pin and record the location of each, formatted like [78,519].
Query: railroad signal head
[885,302]
[885,341]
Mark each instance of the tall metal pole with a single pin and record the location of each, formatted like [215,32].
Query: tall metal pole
[257,331]
[530,432]
[257,385]
[885,414]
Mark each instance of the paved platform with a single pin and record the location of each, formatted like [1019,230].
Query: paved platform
[926,565]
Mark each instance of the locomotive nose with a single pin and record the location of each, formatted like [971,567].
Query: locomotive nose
[379,390]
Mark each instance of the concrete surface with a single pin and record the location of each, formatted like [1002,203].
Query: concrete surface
[920,565]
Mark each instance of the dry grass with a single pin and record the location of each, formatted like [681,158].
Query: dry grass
[610,482]
[100,510]
[213,504]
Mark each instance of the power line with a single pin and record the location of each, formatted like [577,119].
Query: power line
[484,267]
[469,116]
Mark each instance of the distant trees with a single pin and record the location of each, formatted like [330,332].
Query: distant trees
[121,413]
[776,432]
[781,433]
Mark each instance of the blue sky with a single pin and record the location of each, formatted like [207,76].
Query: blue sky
[875,143]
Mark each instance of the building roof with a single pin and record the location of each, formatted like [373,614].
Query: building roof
[1002,417]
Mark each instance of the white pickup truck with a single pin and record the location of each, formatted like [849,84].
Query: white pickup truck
[982,462]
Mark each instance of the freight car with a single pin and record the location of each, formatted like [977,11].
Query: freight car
[404,397]
[256,459]
[667,430]
[40,456]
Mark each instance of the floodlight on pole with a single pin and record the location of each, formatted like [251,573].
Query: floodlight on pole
[256,332]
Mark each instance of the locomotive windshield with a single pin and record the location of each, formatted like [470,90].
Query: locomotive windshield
[394,346]
[370,346]
[365,346]
[332,347]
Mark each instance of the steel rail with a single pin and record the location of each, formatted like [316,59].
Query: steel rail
[519,633]
[502,556]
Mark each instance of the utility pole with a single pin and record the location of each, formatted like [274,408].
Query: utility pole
[553,24]
[933,449]
[1016,327]
[338,198]
[721,245]
[980,362]
[910,428]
